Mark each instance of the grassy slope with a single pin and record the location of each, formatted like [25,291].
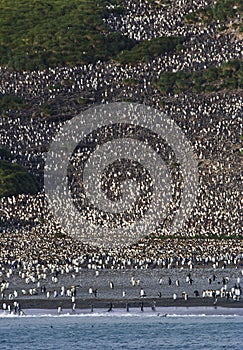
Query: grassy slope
[10,101]
[14,179]
[149,49]
[228,76]
[223,11]
[36,33]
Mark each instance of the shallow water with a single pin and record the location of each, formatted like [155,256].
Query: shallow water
[119,330]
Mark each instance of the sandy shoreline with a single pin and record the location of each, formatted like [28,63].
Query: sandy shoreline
[123,294]
[81,303]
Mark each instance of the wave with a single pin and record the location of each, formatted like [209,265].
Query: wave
[160,313]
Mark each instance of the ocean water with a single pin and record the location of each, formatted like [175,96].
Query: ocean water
[120,330]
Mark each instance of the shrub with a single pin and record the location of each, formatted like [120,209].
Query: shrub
[227,76]
[149,49]
[14,179]
[8,101]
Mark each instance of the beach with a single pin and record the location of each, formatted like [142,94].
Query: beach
[104,304]
[128,290]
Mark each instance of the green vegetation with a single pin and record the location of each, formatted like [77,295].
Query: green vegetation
[10,102]
[199,237]
[223,11]
[38,34]
[130,82]
[14,179]
[35,33]
[5,154]
[59,235]
[45,33]
[149,49]
[228,76]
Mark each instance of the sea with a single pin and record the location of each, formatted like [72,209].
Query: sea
[178,328]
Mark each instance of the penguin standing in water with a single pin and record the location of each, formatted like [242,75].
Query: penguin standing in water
[16,307]
[142,306]
[153,306]
[110,308]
